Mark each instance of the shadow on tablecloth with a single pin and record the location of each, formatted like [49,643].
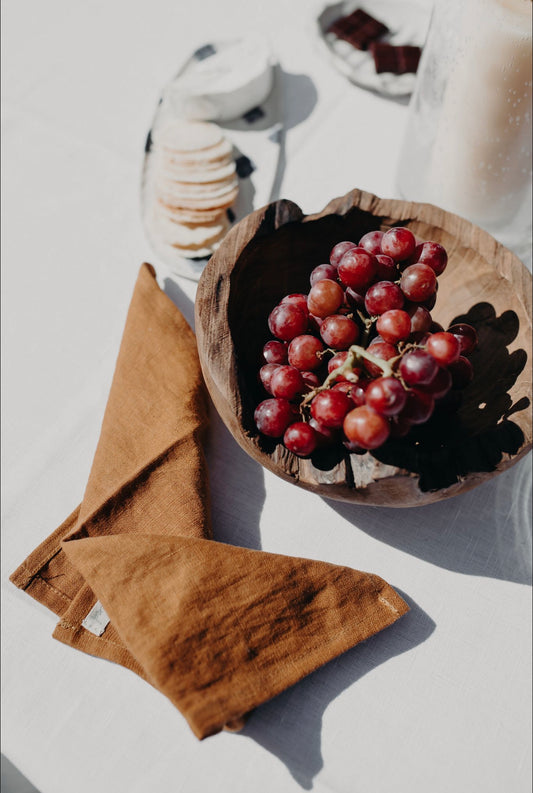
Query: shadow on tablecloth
[236,482]
[290,725]
[484,532]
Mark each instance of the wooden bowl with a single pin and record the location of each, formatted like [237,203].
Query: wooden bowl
[271,253]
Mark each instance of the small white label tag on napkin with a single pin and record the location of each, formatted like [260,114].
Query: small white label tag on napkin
[96,620]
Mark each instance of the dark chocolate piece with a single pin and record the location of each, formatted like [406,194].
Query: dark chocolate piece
[398,60]
[408,59]
[358,28]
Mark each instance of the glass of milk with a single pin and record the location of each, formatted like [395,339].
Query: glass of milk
[468,140]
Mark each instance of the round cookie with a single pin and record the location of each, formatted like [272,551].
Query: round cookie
[187,136]
[207,203]
[221,154]
[196,174]
[199,253]
[170,190]
[192,217]
[189,237]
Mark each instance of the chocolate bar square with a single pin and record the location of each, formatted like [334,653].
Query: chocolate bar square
[395,59]
[408,59]
[358,28]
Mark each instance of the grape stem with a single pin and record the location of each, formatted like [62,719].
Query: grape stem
[367,322]
[355,353]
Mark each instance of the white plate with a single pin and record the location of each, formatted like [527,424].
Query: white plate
[408,22]
[257,139]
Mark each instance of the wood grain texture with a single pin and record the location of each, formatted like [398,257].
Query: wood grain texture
[271,253]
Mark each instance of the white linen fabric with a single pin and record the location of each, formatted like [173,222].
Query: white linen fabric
[438,702]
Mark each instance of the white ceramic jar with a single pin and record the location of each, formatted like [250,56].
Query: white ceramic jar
[468,140]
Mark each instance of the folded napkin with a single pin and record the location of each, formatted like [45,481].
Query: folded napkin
[135,576]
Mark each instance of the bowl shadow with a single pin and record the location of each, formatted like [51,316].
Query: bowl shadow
[474,437]
[235,520]
[484,532]
[495,537]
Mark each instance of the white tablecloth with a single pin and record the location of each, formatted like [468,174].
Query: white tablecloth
[438,702]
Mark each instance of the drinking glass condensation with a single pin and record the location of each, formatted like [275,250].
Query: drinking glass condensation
[468,140]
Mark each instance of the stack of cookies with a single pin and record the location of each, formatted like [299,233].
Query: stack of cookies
[194,182]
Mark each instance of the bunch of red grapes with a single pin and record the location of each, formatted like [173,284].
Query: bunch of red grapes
[359,358]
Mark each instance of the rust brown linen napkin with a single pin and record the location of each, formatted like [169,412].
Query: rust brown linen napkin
[135,576]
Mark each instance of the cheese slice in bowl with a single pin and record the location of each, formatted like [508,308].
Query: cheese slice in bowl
[222,81]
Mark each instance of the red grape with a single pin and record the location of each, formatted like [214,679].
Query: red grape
[399,243]
[381,349]
[310,381]
[358,391]
[287,383]
[345,387]
[419,338]
[371,242]
[383,296]
[325,297]
[325,436]
[365,427]
[466,336]
[353,299]
[444,347]
[273,416]
[386,395]
[430,302]
[287,321]
[432,254]
[339,332]
[298,300]
[337,360]
[420,318]
[462,372]
[275,352]
[323,271]
[338,251]
[418,282]
[394,326]
[387,268]
[300,439]
[315,323]
[418,367]
[330,407]
[265,375]
[440,385]
[303,352]
[357,269]
[418,407]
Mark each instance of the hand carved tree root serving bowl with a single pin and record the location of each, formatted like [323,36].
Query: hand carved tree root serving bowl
[272,252]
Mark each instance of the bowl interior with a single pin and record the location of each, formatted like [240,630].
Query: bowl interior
[484,284]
